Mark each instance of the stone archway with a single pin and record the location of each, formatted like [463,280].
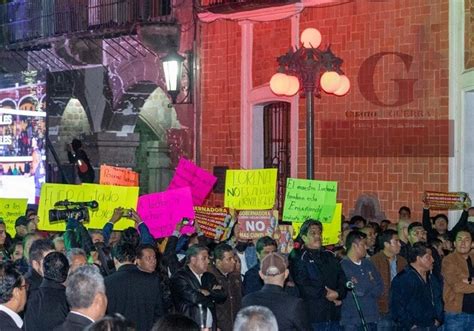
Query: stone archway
[154,122]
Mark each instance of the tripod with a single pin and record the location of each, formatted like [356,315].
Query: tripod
[351,288]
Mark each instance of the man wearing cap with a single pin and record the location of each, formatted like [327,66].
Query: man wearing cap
[289,311]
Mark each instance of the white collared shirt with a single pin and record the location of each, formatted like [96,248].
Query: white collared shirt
[208,313]
[15,317]
[85,316]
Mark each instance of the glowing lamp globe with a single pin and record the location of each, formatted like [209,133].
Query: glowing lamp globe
[330,81]
[294,86]
[279,83]
[311,38]
[344,87]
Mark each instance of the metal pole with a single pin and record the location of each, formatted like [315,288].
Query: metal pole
[309,134]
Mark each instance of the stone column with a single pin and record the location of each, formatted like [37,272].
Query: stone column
[113,148]
[159,172]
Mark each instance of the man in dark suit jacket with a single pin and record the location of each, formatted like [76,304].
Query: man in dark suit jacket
[289,311]
[133,293]
[12,297]
[85,293]
[196,291]
[48,308]
[38,250]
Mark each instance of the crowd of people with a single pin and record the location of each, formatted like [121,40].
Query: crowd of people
[403,275]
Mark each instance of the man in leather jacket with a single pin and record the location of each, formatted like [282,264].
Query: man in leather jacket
[196,291]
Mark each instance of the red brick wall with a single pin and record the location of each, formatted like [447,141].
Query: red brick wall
[271,39]
[220,51]
[358,30]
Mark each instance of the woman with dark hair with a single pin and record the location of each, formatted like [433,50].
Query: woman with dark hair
[175,322]
[111,323]
[5,242]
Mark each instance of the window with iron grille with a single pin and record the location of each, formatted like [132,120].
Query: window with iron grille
[276,142]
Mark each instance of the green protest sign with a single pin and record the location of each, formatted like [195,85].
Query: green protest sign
[306,199]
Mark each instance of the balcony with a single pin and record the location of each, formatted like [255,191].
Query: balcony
[232,6]
[26,24]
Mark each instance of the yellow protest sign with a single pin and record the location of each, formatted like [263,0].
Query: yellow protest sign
[250,189]
[10,210]
[109,197]
[331,230]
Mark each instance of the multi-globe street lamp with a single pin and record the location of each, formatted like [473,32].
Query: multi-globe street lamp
[310,69]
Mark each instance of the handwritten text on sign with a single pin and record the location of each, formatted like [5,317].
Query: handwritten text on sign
[10,210]
[163,210]
[109,197]
[250,189]
[199,180]
[331,231]
[306,199]
[118,176]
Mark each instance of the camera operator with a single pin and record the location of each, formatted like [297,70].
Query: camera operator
[145,236]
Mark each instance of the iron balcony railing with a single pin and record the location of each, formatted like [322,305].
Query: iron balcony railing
[229,6]
[25,20]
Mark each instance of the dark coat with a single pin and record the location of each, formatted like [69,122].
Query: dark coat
[136,295]
[290,312]
[252,281]
[227,311]
[7,323]
[186,295]
[47,307]
[433,234]
[312,271]
[33,279]
[414,301]
[74,322]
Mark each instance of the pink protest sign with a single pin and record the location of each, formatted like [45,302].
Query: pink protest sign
[163,210]
[199,180]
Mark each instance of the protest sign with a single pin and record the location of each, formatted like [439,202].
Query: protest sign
[250,189]
[254,224]
[215,223]
[283,235]
[331,230]
[10,210]
[199,180]
[447,200]
[161,211]
[307,199]
[109,197]
[118,176]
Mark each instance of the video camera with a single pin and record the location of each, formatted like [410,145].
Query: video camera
[68,209]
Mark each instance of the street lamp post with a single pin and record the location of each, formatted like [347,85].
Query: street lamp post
[309,69]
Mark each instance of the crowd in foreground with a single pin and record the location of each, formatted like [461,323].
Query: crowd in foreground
[406,275]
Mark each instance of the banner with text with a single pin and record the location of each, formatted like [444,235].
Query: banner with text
[118,176]
[215,223]
[161,211]
[331,231]
[10,210]
[254,224]
[109,197]
[305,199]
[250,189]
[199,180]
